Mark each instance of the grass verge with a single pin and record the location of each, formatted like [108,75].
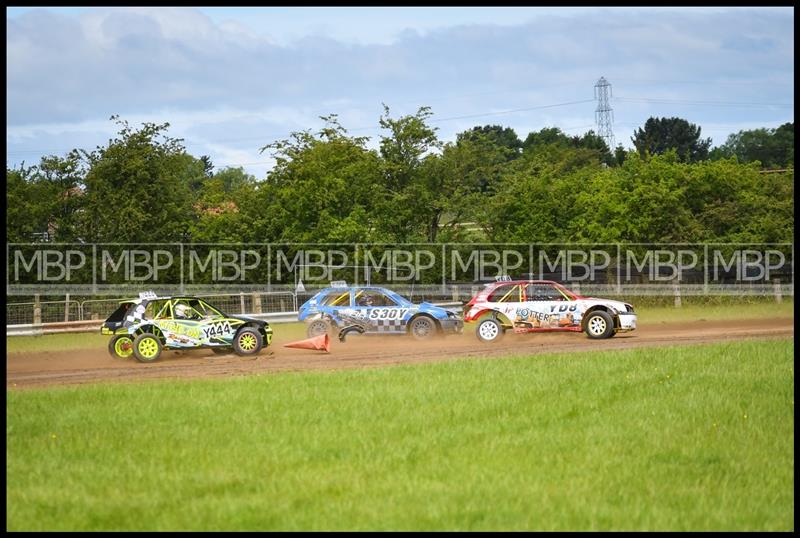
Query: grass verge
[681,438]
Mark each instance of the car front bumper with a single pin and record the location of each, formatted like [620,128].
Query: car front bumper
[627,322]
[451,326]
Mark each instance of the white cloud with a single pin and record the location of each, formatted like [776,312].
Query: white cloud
[252,76]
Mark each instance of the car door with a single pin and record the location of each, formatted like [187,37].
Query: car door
[178,332]
[215,328]
[383,313]
[554,309]
[511,301]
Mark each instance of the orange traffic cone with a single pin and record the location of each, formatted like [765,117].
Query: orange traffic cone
[320,342]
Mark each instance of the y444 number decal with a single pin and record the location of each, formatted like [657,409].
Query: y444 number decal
[218,329]
[388,313]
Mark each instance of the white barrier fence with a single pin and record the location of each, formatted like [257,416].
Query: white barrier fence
[87,326]
[46,317]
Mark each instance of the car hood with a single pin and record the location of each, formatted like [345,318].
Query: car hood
[248,319]
[433,309]
[619,306]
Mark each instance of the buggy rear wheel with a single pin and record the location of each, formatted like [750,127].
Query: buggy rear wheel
[121,347]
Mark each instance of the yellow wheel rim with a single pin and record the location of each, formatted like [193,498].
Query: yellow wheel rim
[148,348]
[247,342]
[124,347]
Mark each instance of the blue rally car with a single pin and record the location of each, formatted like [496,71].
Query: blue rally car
[372,310]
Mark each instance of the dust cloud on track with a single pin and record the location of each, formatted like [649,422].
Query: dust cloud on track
[75,367]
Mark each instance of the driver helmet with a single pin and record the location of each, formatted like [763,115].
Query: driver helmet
[367,301]
[181,311]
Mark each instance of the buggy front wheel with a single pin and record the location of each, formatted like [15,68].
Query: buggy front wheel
[147,348]
[248,341]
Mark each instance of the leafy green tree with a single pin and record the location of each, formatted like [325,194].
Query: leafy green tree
[138,187]
[28,205]
[545,137]
[551,139]
[619,155]
[62,179]
[537,194]
[324,187]
[592,141]
[470,173]
[660,135]
[737,202]
[51,194]
[408,157]
[218,217]
[502,137]
[773,148]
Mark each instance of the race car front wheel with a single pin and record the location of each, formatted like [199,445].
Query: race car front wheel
[423,328]
[317,327]
[248,341]
[121,347]
[490,330]
[146,348]
[599,325]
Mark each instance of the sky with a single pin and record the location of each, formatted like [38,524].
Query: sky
[231,80]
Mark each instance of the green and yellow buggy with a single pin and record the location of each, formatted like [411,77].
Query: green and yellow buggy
[143,327]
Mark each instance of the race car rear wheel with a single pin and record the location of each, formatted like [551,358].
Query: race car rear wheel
[121,347]
[147,348]
[490,330]
[599,324]
[248,341]
[317,327]
[422,328]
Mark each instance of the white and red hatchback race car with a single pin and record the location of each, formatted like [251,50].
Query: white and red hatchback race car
[544,306]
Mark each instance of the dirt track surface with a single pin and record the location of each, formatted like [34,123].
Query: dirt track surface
[28,370]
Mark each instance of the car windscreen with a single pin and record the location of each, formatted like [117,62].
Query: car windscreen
[205,310]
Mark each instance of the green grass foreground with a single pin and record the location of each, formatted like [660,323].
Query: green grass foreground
[682,438]
[293,331]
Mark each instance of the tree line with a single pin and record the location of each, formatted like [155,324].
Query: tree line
[487,185]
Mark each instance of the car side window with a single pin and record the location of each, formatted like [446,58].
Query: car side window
[370,298]
[336,298]
[381,299]
[543,292]
[508,293]
[158,310]
[191,312]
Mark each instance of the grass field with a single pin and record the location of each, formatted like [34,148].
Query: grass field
[680,438]
[292,331]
